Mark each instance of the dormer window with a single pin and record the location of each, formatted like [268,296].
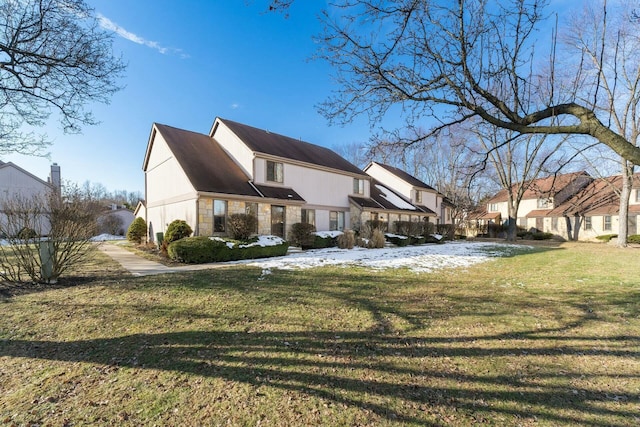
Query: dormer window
[275,171]
[358,186]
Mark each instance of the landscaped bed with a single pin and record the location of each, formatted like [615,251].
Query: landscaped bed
[546,336]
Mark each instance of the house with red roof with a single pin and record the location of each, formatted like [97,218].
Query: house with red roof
[574,206]
[236,168]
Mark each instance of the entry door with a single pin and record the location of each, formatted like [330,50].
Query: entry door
[277,220]
[540,224]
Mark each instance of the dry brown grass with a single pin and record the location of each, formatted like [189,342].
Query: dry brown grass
[550,337]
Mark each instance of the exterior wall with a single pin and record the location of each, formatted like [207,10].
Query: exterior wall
[14,182]
[391,180]
[166,182]
[205,215]
[22,187]
[233,145]
[526,206]
[159,217]
[317,187]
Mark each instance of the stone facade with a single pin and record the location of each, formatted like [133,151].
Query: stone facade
[205,217]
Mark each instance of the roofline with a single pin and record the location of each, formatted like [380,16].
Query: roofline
[257,199]
[11,164]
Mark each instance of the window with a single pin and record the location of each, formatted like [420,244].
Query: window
[607,223]
[418,196]
[219,216]
[554,223]
[493,207]
[638,195]
[543,203]
[252,209]
[336,220]
[309,216]
[522,221]
[358,186]
[588,225]
[275,171]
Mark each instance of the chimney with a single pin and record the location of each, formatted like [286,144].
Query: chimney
[54,177]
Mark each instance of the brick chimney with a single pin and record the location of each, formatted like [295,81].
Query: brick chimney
[54,177]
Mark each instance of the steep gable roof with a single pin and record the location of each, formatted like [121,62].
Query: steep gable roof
[404,176]
[597,198]
[383,197]
[208,167]
[548,186]
[263,141]
[12,165]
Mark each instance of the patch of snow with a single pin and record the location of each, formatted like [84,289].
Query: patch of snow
[105,237]
[437,236]
[392,198]
[325,234]
[265,241]
[399,236]
[419,259]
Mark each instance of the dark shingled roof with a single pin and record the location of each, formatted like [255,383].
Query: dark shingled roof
[206,164]
[365,202]
[284,193]
[262,141]
[211,169]
[405,176]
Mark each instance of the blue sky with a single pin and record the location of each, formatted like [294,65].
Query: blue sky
[189,62]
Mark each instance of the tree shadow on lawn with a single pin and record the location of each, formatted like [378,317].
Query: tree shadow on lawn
[323,364]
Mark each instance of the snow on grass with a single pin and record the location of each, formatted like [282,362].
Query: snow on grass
[106,237]
[420,259]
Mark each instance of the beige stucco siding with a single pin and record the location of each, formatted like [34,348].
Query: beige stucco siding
[233,145]
[159,217]
[390,179]
[317,187]
[14,182]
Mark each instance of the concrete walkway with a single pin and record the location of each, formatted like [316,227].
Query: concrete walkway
[139,266]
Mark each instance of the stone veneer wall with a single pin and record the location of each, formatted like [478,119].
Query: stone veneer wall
[293,214]
[205,217]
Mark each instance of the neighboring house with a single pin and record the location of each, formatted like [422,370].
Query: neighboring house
[573,206]
[236,168]
[115,221]
[424,197]
[594,210]
[541,196]
[17,184]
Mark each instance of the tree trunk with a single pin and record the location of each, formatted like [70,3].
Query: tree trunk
[623,210]
[512,230]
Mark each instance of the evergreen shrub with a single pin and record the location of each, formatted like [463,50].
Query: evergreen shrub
[137,230]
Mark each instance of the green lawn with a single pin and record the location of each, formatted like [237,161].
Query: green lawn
[548,338]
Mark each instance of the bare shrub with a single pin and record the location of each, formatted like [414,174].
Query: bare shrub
[347,240]
[302,234]
[110,224]
[60,228]
[377,239]
[242,226]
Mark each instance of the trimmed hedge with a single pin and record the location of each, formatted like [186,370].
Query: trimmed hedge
[202,249]
[322,242]
[634,238]
[398,240]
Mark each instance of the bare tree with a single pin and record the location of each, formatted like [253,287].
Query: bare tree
[453,61]
[602,43]
[54,58]
[45,235]
[516,162]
